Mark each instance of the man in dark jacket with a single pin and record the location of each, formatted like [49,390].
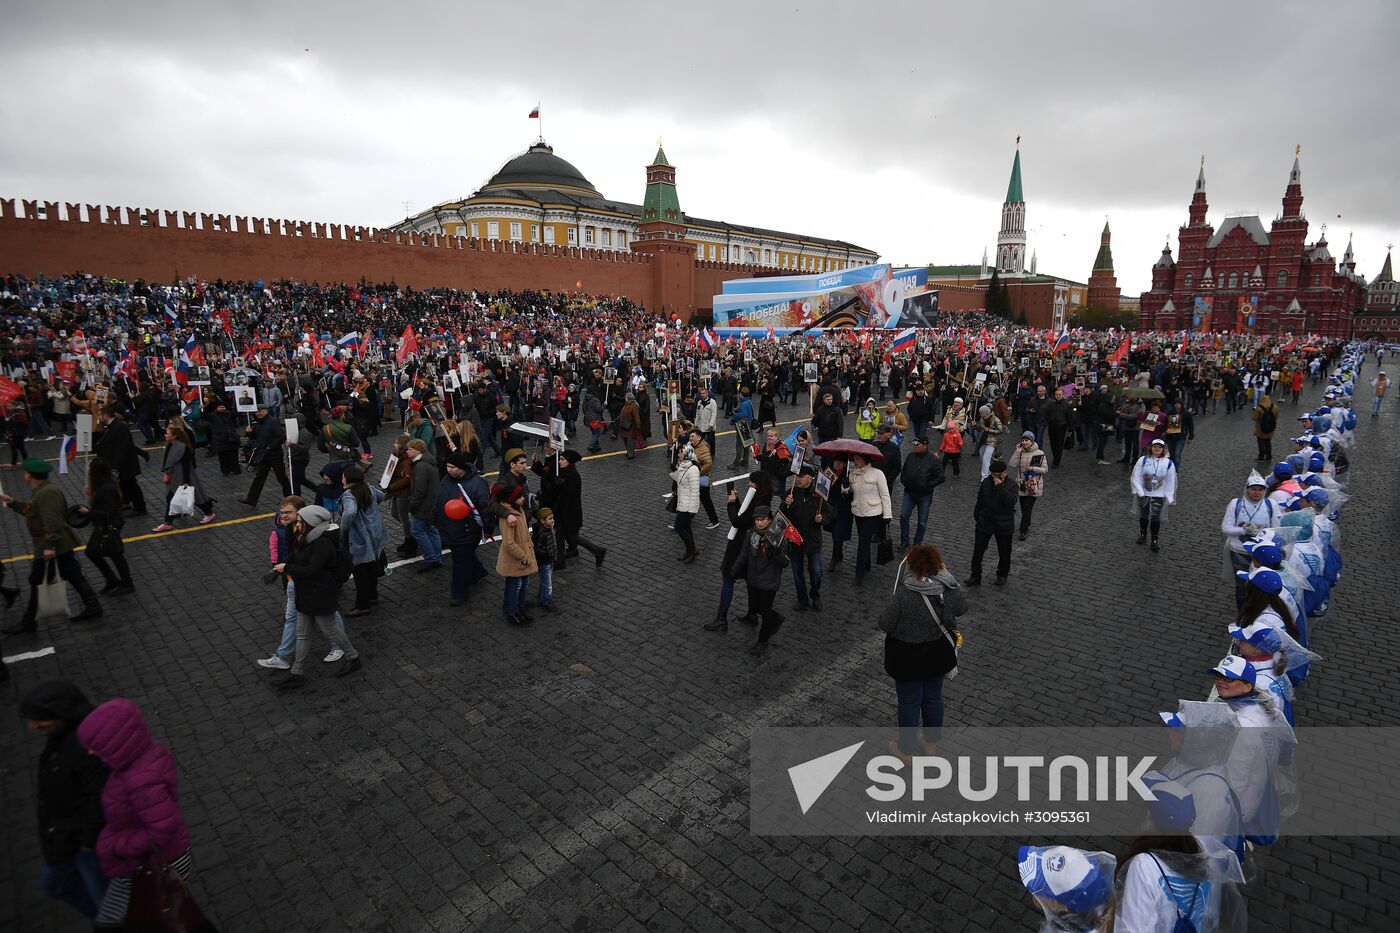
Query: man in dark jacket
[803,508]
[422,506]
[884,442]
[268,435]
[223,435]
[921,473]
[462,535]
[995,517]
[827,419]
[568,513]
[69,797]
[1057,413]
[920,410]
[45,516]
[115,446]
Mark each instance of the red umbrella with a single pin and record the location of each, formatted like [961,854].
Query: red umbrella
[844,447]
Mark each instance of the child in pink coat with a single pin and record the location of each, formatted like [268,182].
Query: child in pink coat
[140,802]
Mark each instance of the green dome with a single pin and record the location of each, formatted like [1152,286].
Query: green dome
[539,167]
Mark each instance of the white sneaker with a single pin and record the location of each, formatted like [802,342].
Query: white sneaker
[712,526]
[274,663]
[335,655]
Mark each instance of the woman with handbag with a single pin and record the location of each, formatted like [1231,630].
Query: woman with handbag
[870,504]
[144,835]
[921,644]
[104,509]
[183,490]
[1026,468]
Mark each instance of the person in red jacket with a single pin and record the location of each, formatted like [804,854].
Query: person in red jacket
[140,803]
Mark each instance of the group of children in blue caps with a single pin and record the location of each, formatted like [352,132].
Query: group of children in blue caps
[1229,786]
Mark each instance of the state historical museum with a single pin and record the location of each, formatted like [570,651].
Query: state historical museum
[1243,278]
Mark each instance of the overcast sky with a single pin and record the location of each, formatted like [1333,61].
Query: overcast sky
[891,125]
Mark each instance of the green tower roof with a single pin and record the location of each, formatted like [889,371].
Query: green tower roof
[661,201]
[1104,260]
[1013,190]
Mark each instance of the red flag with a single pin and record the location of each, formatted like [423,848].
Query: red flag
[408,345]
[1121,353]
[316,358]
[792,534]
[364,346]
[1185,342]
[10,390]
[1290,346]
[962,347]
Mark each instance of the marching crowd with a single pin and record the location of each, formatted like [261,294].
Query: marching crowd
[479,392]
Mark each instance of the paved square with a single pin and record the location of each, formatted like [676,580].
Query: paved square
[590,772]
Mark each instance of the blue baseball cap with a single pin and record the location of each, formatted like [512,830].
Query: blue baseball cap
[1317,460]
[1317,496]
[1265,552]
[1172,806]
[1067,876]
[1261,636]
[1262,578]
[1234,668]
[1283,471]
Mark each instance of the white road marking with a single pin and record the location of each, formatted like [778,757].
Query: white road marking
[30,655]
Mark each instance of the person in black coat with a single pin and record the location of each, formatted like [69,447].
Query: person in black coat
[313,568]
[69,797]
[223,435]
[741,513]
[803,508]
[568,513]
[104,508]
[995,517]
[115,446]
[268,436]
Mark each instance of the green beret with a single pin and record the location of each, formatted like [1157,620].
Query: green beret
[37,467]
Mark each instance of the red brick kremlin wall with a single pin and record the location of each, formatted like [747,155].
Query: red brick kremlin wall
[49,238]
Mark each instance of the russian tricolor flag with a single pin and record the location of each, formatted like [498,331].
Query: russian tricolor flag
[1062,341]
[170,316]
[349,339]
[67,453]
[904,340]
[707,339]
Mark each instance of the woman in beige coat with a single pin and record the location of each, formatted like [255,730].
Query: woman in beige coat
[870,504]
[515,561]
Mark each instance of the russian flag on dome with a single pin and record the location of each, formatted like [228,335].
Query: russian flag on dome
[904,340]
[349,339]
[67,452]
[1062,341]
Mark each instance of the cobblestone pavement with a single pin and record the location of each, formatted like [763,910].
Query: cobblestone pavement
[590,772]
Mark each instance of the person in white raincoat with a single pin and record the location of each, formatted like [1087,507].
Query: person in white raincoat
[1169,881]
[1154,486]
[1265,741]
[1072,887]
[1245,517]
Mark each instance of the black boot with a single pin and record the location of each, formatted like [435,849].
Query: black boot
[1142,537]
[10,593]
[720,624]
[1155,545]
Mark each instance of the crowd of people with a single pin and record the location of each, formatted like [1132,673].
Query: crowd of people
[475,390]
[1230,788]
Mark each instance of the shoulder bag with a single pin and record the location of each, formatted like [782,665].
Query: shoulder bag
[953,642]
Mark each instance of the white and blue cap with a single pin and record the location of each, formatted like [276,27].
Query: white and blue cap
[1081,881]
[1317,496]
[1312,479]
[1262,578]
[1171,720]
[1303,440]
[1264,637]
[1235,668]
[1172,806]
[1265,552]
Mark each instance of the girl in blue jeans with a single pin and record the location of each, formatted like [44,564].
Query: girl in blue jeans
[279,546]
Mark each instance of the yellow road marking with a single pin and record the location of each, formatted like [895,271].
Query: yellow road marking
[253,518]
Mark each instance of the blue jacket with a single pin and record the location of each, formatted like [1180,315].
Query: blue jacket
[457,530]
[362,529]
[743,412]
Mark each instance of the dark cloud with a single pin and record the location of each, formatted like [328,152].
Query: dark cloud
[264,104]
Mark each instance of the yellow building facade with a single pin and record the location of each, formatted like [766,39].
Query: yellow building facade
[537,197]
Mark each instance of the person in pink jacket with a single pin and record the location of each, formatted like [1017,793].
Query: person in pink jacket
[140,802]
